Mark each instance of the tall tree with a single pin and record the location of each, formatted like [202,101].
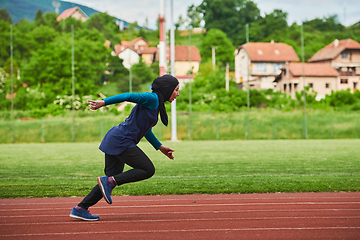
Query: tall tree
[5,16]
[194,16]
[224,48]
[230,16]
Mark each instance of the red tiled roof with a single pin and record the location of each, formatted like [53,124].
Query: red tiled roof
[312,70]
[182,53]
[333,50]
[140,50]
[67,13]
[270,52]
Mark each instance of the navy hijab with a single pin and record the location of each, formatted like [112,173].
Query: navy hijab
[164,86]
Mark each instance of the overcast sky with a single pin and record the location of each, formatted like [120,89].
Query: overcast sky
[348,11]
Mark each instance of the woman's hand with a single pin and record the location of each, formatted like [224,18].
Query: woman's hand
[96,104]
[167,151]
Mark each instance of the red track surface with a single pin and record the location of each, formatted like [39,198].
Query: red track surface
[233,216]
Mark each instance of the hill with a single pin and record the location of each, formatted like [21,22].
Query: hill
[26,9]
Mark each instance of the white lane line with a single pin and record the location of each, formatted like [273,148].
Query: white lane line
[179,220]
[194,205]
[192,212]
[181,230]
[194,176]
[194,197]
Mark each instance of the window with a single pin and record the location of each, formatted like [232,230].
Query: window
[311,85]
[327,85]
[277,66]
[260,66]
[343,81]
[344,55]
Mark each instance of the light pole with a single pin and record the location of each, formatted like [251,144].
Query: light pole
[173,104]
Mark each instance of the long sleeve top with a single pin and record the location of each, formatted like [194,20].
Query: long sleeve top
[142,118]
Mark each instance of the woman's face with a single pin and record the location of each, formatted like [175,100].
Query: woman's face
[175,93]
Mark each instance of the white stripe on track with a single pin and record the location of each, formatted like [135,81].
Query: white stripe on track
[192,212]
[181,230]
[193,197]
[196,205]
[179,220]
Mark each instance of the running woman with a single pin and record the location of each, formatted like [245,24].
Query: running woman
[120,142]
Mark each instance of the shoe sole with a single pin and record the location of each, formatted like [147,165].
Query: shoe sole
[102,191]
[85,219]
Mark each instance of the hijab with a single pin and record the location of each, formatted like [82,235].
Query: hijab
[164,86]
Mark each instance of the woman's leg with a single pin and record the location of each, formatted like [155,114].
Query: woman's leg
[142,166]
[113,166]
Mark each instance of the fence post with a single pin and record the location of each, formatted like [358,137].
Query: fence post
[101,129]
[274,129]
[42,132]
[217,129]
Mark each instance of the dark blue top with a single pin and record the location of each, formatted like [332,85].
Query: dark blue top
[139,123]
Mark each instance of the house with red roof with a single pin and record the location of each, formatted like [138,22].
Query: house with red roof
[321,77]
[344,56]
[259,63]
[74,12]
[187,62]
[131,51]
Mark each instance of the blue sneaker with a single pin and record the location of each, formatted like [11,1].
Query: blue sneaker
[83,214]
[106,188]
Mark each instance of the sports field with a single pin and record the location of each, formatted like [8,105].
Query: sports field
[211,167]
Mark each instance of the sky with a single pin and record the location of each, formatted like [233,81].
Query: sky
[348,11]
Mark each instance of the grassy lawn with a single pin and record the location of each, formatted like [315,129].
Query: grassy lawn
[70,169]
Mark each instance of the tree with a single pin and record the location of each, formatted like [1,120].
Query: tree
[39,18]
[330,23]
[117,70]
[224,50]
[142,71]
[179,23]
[194,16]
[5,16]
[49,69]
[235,13]
[105,24]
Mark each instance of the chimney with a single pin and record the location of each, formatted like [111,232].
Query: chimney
[336,43]
[272,42]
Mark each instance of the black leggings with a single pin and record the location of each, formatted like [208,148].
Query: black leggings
[142,166]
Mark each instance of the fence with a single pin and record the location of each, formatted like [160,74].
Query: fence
[203,127]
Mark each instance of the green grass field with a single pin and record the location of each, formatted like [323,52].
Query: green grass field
[213,167]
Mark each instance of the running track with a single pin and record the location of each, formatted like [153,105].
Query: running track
[232,216]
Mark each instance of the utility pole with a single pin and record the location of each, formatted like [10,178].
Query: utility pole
[303,70]
[172,46]
[213,56]
[162,59]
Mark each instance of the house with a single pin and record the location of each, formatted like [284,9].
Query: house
[187,62]
[321,77]
[187,59]
[265,61]
[74,12]
[344,56]
[128,50]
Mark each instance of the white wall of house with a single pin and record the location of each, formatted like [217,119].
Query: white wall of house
[130,58]
[182,67]
[241,66]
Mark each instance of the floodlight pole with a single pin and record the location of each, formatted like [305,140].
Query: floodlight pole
[12,85]
[130,73]
[172,46]
[190,97]
[248,85]
[303,70]
[162,55]
[73,83]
